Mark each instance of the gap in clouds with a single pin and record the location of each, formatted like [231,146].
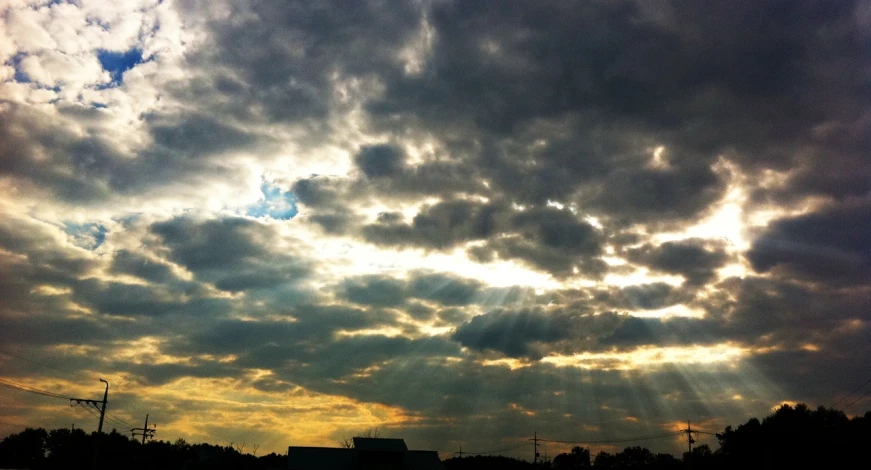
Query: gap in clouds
[116,63]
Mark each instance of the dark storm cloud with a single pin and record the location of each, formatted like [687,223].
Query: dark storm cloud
[89,167]
[695,259]
[196,135]
[424,294]
[319,191]
[551,240]
[811,377]
[443,289]
[116,298]
[378,161]
[33,149]
[306,325]
[309,349]
[277,63]
[45,283]
[45,253]
[830,245]
[533,333]
[679,331]
[128,262]
[161,374]
[546,238]
[380,291]
[53,329]
[648,195]
[438,226]
[687,76]
[236,254]
[557,229]
[512,333]
[752,311]
[336,223]
[495,400]
[446,289]
[652,296]
[343,357]
[770,310]
[325,200]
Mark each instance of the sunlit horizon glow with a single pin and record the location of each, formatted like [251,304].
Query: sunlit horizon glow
[457,224]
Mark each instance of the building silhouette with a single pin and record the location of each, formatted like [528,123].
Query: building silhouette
[368,453]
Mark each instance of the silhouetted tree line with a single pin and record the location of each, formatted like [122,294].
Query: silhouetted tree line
[38,449]
[791,437]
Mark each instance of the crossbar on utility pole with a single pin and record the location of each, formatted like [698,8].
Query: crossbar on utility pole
[690,442]
[535,440]
[146,432]
[97,404]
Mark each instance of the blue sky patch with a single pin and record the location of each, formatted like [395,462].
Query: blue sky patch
[275,203]
[88,236]
[116,63]
[15,62]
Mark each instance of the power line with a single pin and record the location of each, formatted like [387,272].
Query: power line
[22,389]
[111,421]
[92,412]
[119,426]
[3,351]
[851,393]
[599,441]
[500,450]
[26,388]
[117,419]
[857,400]
[116,423]
[615,441]
[6,383]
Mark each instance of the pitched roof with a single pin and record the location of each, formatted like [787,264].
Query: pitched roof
[378,444]
[309,458]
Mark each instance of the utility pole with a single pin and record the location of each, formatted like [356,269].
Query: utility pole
[690,442]
[147,433]
[460,453]
[98,405]
[101,407]
[535,440]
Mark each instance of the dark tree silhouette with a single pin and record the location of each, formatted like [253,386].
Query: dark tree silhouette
[579,457]
[791,437]
[486,462]
[37,449]
[24,450]
[797,437]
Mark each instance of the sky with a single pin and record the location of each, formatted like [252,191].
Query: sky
[458,222]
